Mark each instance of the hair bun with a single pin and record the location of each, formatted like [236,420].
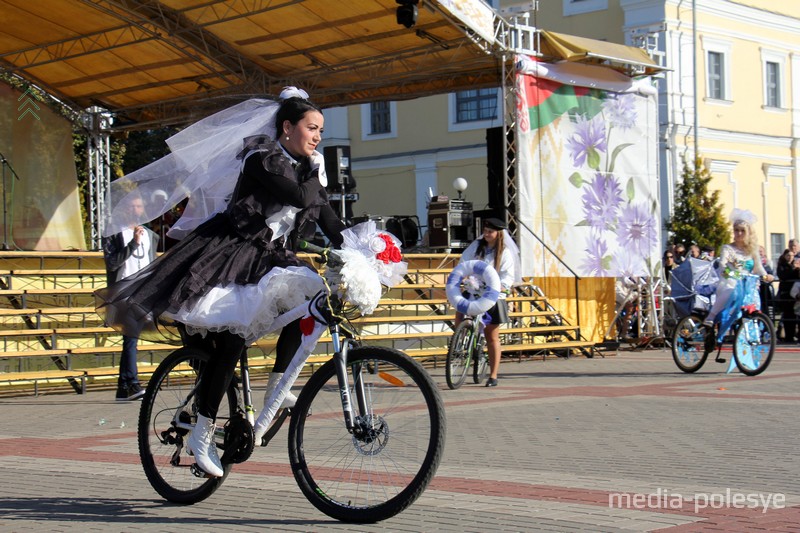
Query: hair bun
[293,92]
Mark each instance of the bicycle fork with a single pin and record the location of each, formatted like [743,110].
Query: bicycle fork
[341,348]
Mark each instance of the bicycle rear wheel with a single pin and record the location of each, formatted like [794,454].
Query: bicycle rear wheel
[754,344]
[458,355]
[480,361]
[170,397]
[688,344]
[384,465]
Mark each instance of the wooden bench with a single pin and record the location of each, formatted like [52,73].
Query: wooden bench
[381,319]
[58,278]
[118,348]
[75,378]
[33,353]
[23,296]
[57,272]
[533,348]
[34,316]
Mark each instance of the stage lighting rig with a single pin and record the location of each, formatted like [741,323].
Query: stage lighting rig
[407,12]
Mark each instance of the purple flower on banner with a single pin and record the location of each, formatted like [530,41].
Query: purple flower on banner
[621,110]
[601,200]
[625,264]
[589,139]
[636,232]
[596,250]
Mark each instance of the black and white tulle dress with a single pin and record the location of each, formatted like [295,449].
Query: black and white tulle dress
[237,271]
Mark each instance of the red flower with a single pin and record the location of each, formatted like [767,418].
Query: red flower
[390,254]
[307,325]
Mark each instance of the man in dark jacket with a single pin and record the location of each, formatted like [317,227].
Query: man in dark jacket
[126,253]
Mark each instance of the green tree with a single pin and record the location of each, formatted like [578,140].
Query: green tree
[697,217]
[144,147]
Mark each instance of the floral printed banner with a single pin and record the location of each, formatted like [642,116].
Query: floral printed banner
[588,161]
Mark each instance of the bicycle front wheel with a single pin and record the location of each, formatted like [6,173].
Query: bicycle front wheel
[688,344]
[170,399]
[384,465]
[480,361]
[458,355]
[754,344]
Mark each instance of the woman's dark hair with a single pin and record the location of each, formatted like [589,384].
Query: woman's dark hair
[293,109]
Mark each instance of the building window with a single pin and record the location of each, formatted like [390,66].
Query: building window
[380,118]
[773,67]
[576,7]
[777,243]
[378,121]
[716,76]
[771,79]
[476,105]
[718,68]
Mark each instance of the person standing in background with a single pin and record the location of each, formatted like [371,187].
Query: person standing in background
[126,253]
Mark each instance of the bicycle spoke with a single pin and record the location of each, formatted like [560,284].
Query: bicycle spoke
[384,465]
[688,344]
[754,344]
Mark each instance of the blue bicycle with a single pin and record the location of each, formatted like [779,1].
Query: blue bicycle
[753,333]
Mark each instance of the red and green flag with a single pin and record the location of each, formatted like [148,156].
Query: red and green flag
[547,100]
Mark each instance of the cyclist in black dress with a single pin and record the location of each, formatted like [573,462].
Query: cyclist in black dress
[229,281]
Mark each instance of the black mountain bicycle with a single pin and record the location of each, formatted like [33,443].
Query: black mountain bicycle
[365,437]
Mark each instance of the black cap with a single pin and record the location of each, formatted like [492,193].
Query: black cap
[494,223]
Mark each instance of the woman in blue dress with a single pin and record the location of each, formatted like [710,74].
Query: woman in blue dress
[736,259]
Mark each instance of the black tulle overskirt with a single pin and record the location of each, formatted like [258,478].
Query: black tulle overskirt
[213,255]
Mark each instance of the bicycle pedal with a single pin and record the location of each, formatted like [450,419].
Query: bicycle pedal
[199,472]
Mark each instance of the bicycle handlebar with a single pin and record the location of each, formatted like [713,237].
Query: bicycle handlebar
[313,248]
[326,255]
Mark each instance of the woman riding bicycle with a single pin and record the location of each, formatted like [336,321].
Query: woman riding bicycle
[735,259]
[232,276]
[496,247]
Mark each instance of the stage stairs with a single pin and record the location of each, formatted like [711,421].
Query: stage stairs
[52,340]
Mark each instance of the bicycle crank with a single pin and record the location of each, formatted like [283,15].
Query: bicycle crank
[239,441]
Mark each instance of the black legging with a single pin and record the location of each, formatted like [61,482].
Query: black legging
[225,349]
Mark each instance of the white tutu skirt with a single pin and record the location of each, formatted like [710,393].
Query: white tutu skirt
[252,311]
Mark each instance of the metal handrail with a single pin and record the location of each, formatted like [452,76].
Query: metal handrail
[574,274]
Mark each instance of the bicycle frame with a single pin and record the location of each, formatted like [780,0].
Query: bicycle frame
[341,344]
[476,332]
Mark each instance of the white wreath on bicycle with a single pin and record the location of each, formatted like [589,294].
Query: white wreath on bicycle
[480,296]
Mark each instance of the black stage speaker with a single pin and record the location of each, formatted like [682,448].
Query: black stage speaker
[495,166]
[341,184]
[338,169]
[405,228]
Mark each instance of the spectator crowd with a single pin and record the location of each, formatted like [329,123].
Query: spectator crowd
[783,305]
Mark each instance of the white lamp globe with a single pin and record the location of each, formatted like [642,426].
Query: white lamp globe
[460,184]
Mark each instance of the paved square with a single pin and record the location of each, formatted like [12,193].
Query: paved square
[622,443]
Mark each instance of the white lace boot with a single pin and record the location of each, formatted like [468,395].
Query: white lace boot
[270,410]
[201,445]
[272,384]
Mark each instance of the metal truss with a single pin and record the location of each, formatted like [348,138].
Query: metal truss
[510,188]
[97,122]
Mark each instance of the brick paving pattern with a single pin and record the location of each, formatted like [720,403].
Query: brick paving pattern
[620,443]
